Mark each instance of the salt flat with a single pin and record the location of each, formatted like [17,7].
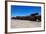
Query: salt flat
[24,24]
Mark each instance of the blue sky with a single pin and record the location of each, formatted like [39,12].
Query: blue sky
[24,10]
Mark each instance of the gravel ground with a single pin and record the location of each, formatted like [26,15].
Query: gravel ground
[24,24]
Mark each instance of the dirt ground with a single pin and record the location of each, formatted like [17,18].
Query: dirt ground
[24,24]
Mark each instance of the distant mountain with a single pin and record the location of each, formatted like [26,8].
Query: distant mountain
[32,17]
